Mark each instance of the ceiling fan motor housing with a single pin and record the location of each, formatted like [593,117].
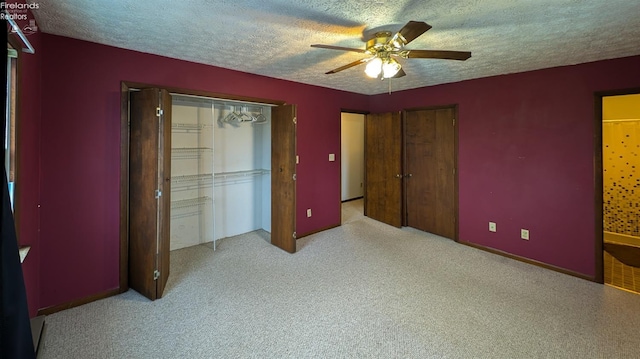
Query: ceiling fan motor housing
[378,42]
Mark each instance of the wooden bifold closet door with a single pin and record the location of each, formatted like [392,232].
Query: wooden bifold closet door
[283,177]
[383,168]
[410,169]
[430,166]
[145,220]
[149,191]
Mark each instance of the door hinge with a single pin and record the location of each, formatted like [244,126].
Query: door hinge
[158,193]
[454,121]
[159,111]
[294,235]
[294,176]
[156,274]
[295,120]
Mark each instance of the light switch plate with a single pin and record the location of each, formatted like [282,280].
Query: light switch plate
[524,234]
[332,157]
[492,226]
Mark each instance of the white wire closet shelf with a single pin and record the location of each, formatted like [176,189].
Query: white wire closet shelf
[223,178]
[191,202]
[190,152]
[189,207]
[196,181]
[188,127]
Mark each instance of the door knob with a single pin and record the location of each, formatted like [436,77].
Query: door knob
[408,175]
[398,175]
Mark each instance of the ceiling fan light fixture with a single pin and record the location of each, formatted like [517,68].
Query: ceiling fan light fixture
[382,49]
[374,67]
[397,41]
[390,68]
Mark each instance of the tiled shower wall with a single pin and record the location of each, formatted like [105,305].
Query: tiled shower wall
[621,147]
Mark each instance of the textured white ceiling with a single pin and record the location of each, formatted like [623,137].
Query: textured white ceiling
[272,37]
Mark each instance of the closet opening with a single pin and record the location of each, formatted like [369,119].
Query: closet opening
[220,169]
[215,166]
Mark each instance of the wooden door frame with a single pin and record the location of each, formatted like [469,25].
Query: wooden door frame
[454,107]
[15,43]
[125,87]
[598,178]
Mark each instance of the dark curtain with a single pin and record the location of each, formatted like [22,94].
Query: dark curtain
[15,327]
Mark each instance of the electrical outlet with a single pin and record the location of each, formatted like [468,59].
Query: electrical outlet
[492,226]
[309,212]
[524,234]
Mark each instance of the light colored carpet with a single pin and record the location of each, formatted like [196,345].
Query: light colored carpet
[362,290]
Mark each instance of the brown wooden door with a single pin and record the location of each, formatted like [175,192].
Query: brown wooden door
[283,181]
[383,168]
[149,191]
[430,165]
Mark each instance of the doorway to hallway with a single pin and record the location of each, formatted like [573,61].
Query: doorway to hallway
[351,166]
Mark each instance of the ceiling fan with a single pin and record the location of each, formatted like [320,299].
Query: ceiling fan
[383,48]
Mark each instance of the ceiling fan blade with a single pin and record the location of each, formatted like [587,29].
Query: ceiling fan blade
[437,54]
[338,48]
[400,73]
[347,66]
[412,30]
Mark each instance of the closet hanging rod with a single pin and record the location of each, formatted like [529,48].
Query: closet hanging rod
[244,107]
[223,100]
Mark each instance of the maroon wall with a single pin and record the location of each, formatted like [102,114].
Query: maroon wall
[27,188]
[81,152]
[526,156]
